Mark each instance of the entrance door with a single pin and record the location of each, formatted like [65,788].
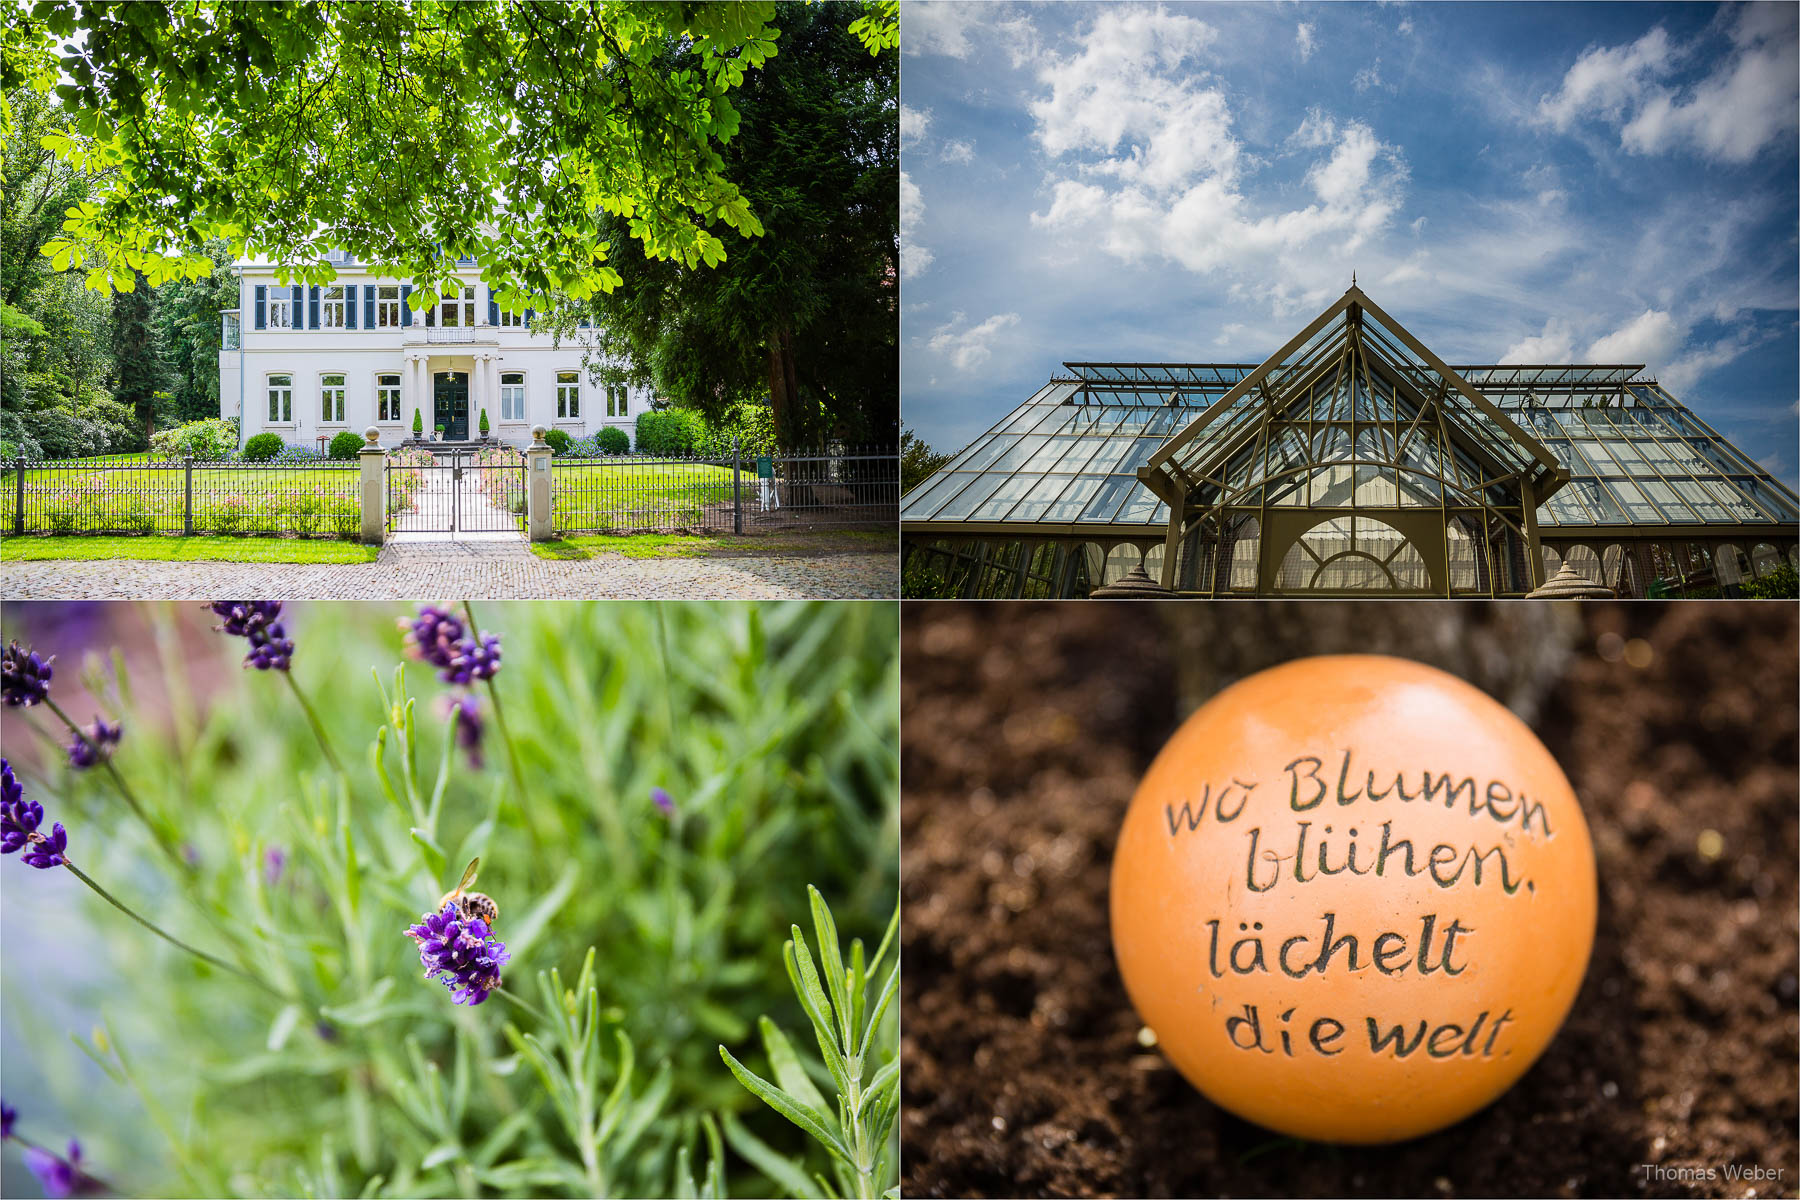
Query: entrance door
[450,404]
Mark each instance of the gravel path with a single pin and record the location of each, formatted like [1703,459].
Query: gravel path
[499,570]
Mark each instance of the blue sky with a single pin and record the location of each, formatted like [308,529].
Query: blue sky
[1514,183]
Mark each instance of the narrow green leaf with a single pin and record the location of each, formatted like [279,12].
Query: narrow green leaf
[789,1073]
[815,1123]
[283,1027]
[789,1175]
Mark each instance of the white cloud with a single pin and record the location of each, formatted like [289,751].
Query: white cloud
[1316,130]
[1134,95]
[969,348]
[1604,81]
[954,30]
[1555,345]
[958,152]
[914,122]
[1303,41]
[1684,372]
[914,258]
[1368,77]
[1405,27]
[1651,338]
[1746,103]
[1147,164]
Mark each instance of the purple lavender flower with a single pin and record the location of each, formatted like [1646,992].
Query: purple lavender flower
[19,821]
[24,676]
[467,712]
[244,617]
[258,622]
[274,859]
[84,752]
[460,952]
[8,1114]
[59,1177]
[439,637]
[664,802]
[433,636]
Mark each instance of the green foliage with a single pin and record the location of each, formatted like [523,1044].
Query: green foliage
[558,440]
[418,422]
[918,461]
[671,431]
[210,439]
[344,445]
[751,426]
[257,125]
[861,1048]
[137,361]
[639,942]
[613,440]
[804,317]
[262,447]
[484,423]
[1781,583]
[879,26]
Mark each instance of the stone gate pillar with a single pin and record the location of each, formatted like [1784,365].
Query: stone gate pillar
[539,525]
[372,489]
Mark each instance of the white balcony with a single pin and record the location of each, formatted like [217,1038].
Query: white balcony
[451,335]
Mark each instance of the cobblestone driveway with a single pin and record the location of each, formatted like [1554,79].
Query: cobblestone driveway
[463,570]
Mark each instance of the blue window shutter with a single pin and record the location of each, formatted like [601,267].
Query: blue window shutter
[312,309]
[369,307]
[350,307]
[528,315]
[493,308]
[584,322]
[297,318]
[405,308]
[262,306]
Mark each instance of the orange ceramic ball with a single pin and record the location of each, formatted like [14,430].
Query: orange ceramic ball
[1353,898]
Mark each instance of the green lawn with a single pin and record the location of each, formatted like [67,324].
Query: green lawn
[186,549]
[150,498]
[675,545]
[597,494]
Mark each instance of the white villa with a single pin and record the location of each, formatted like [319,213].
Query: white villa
[307,363]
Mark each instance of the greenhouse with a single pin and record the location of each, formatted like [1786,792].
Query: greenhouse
[1353,461]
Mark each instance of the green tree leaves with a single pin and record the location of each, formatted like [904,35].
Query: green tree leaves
[412,136]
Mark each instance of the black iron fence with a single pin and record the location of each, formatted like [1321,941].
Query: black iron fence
[125,494]
[835,487]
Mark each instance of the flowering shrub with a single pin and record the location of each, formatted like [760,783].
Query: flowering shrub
[213,438]
[646,790]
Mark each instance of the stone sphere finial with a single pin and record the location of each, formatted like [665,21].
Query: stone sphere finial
[537,435]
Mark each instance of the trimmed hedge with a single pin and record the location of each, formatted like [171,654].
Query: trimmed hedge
[613,440]
[671,431]
[262,447]
[345,445]
[558,440]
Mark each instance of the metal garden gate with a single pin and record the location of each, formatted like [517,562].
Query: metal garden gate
[456,491]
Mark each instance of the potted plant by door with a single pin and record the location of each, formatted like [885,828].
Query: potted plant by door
[418,426]
[437,434]
[484,425]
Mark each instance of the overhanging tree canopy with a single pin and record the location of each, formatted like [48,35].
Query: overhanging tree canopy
[408,135]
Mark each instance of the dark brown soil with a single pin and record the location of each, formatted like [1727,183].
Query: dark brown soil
[1025,731]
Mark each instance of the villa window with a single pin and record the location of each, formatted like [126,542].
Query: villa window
[228,332]
[331,399]
[281,310]
[618,400]
[387,307]
[568,396]
[281,399]
[387,397]
[332,310]
[455,310]
[512,395]
[510,320]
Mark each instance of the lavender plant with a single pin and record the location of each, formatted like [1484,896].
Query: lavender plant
[860,1052]
[246,1014]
